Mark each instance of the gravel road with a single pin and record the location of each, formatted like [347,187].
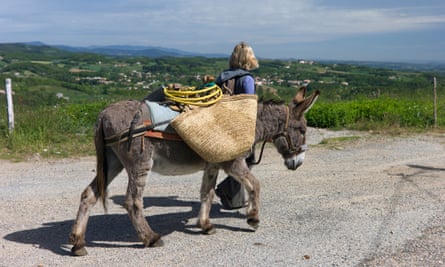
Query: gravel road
[368,201]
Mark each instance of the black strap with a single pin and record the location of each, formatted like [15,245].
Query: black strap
[135,131]
[261,155]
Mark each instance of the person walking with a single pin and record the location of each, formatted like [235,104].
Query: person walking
[237,80]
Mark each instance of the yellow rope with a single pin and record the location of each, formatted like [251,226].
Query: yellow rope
[208,95]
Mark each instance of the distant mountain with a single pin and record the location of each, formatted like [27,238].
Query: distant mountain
[112,50]
[136,51]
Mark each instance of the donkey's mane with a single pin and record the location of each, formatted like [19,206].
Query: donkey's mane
[271,101]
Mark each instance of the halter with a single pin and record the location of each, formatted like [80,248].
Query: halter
[293,149]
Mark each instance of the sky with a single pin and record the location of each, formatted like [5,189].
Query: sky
[374,30]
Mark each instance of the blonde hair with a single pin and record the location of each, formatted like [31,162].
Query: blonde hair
[243,57]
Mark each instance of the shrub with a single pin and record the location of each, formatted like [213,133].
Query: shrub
[381,112]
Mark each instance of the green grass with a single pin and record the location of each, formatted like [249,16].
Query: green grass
[60,131]
[337,142]
[66,130]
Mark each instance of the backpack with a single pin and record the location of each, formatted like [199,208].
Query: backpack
[230,80]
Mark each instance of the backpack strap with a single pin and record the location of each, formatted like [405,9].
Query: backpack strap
[228,87]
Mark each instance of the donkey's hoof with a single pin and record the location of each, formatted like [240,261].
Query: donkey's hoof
[154,241]
[209,231]
[79,251]
[157,243]
[254,223]
[207,228]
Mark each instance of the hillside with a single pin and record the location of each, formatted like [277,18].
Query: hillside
[45,71]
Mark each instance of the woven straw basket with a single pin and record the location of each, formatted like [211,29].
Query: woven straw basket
[222,131]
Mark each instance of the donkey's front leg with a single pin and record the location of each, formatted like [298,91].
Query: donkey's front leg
[207,193]
[253,189]
[239,170]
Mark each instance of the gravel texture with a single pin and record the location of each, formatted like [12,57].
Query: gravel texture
[368,201]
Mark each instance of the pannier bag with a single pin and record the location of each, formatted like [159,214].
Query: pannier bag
[222,131]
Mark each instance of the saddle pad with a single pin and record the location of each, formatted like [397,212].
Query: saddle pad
[160,113]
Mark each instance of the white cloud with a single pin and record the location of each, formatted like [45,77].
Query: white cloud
[274,21]
[210,26]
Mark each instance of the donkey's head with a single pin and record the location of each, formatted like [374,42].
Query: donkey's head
[291,141]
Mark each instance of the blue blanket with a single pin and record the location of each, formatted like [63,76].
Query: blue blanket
[160,113]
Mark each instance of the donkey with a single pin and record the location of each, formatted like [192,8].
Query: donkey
[282,124]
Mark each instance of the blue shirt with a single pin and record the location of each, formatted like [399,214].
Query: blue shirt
[247,85]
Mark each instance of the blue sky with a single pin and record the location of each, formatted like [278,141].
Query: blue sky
[378,30]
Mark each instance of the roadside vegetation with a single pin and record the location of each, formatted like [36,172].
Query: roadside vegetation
[59,94]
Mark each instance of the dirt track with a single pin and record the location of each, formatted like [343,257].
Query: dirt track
[375,201]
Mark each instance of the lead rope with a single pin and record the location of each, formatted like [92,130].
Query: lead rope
[261,154]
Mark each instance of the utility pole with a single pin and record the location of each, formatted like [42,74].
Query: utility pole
[435,101]
[8,91]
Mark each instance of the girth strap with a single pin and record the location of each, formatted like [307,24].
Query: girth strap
[163,135]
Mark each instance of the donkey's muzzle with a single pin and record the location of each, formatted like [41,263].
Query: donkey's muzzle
[294,162]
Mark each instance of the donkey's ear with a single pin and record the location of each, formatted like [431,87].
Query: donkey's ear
[305,105]
[309,102]
[299,97]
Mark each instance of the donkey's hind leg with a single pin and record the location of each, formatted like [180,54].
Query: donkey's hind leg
[134,204]
[77,237]
[137,163]
[207,193]
[87,201]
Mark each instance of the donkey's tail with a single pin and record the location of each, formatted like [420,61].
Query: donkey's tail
[101,168]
